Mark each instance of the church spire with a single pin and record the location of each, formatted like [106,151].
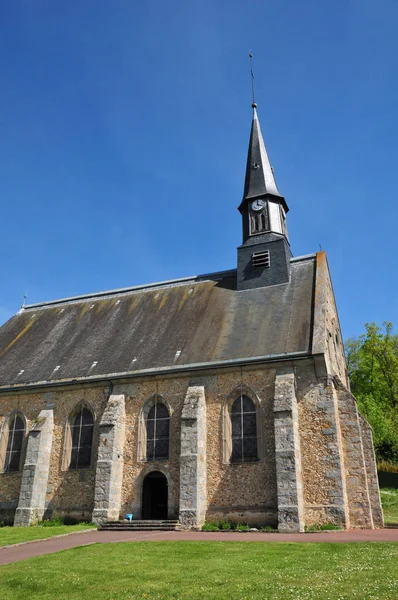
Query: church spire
[264,256]
[259,180]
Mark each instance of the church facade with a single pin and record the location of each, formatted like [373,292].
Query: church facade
[222,396]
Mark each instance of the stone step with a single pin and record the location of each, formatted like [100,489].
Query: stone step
[142,528]
[141,525]
[142,522]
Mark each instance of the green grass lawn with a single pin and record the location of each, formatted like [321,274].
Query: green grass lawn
[208,570]
[16,535]
[389,499]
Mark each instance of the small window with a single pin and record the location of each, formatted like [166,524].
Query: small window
[157,432]
[254,224]
[13,436]
[80,440]
[259,222]
[261,260]
[283,221]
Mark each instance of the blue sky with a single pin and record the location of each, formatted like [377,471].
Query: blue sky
[124,131]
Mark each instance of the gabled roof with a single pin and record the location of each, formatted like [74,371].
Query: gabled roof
[182,324]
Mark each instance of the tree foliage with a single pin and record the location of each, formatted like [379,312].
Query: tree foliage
[372,361]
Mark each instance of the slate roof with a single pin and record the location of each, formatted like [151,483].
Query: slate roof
[163,326]
[259,179]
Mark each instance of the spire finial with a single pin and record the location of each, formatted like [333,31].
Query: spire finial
[254,105]
[24,298]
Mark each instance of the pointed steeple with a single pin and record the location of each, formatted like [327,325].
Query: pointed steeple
[264,256]
[259,180]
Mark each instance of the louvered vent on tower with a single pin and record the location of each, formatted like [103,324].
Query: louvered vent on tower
[261,260]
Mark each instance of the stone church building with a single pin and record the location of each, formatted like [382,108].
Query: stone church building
[221,396]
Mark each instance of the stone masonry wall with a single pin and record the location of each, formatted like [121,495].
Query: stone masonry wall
[109,467]
[288,453]
[241,492]
[70,492]
[193,496]
[327,339]
[245,492]
[371,472]
[325,498]
[36,469]
[172,391]
[354,460]
[355,446]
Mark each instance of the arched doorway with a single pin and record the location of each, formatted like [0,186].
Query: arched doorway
[154,496]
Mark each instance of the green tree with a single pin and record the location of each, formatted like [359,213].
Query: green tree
[372,361]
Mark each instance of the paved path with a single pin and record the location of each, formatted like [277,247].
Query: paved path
[40,547]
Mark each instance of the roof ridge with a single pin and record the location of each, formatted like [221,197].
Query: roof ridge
[142,287]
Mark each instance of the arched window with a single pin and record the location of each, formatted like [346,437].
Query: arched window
[283,221]
[254,220]
[242,434]
[259,222]
[11,443]
[154,430]
[157,432]
[79,439]
[244,430]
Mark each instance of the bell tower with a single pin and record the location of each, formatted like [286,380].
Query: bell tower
[264,256]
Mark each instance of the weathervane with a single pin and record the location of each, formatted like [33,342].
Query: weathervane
[254,105]
[25,296]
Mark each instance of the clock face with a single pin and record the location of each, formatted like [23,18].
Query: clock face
[258,204]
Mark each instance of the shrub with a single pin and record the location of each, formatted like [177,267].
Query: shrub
[323,527]
[6,523]
[309,528]
[210,526]
[54,522]
[242,527]
[329,527]
[225,525]
[70,520]
[269,528]
[389,497]
[387,467]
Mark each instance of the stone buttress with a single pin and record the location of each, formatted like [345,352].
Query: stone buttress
[193,459]
[287,454]
[109,469]
[36,469]
[371,472]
